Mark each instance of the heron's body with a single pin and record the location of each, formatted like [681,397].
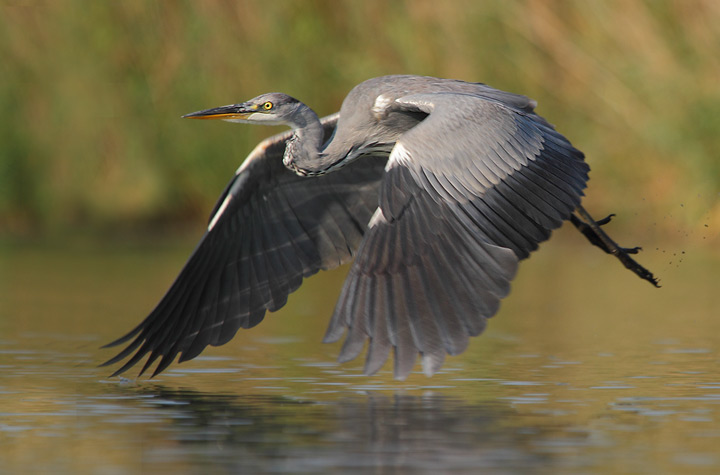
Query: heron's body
[438,187]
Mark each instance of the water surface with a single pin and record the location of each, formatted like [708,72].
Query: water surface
[586,369]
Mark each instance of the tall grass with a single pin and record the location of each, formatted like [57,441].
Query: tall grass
[91,94]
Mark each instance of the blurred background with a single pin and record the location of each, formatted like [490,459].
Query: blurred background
[91,141]
[104,191]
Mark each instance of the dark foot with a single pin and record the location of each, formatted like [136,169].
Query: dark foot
[591,230]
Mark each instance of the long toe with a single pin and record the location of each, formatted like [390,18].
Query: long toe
[632,250]
[605,220]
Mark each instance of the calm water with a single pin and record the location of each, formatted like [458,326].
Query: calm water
[586,369]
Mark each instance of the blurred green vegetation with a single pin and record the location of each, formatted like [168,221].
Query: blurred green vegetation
[93,91]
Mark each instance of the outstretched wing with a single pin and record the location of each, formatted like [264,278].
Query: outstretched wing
[468,192]
[269,229]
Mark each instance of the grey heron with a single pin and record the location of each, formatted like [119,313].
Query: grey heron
[436,187]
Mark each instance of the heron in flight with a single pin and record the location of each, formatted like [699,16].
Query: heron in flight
[436,187]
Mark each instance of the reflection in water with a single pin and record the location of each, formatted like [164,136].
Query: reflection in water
[266,433]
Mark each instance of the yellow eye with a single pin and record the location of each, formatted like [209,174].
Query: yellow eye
[268,105]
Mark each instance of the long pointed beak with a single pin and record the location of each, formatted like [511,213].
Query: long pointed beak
[233,111]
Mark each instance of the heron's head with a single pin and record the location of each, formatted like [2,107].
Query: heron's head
[273,108]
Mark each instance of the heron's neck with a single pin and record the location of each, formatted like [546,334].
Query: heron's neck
[302,151]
